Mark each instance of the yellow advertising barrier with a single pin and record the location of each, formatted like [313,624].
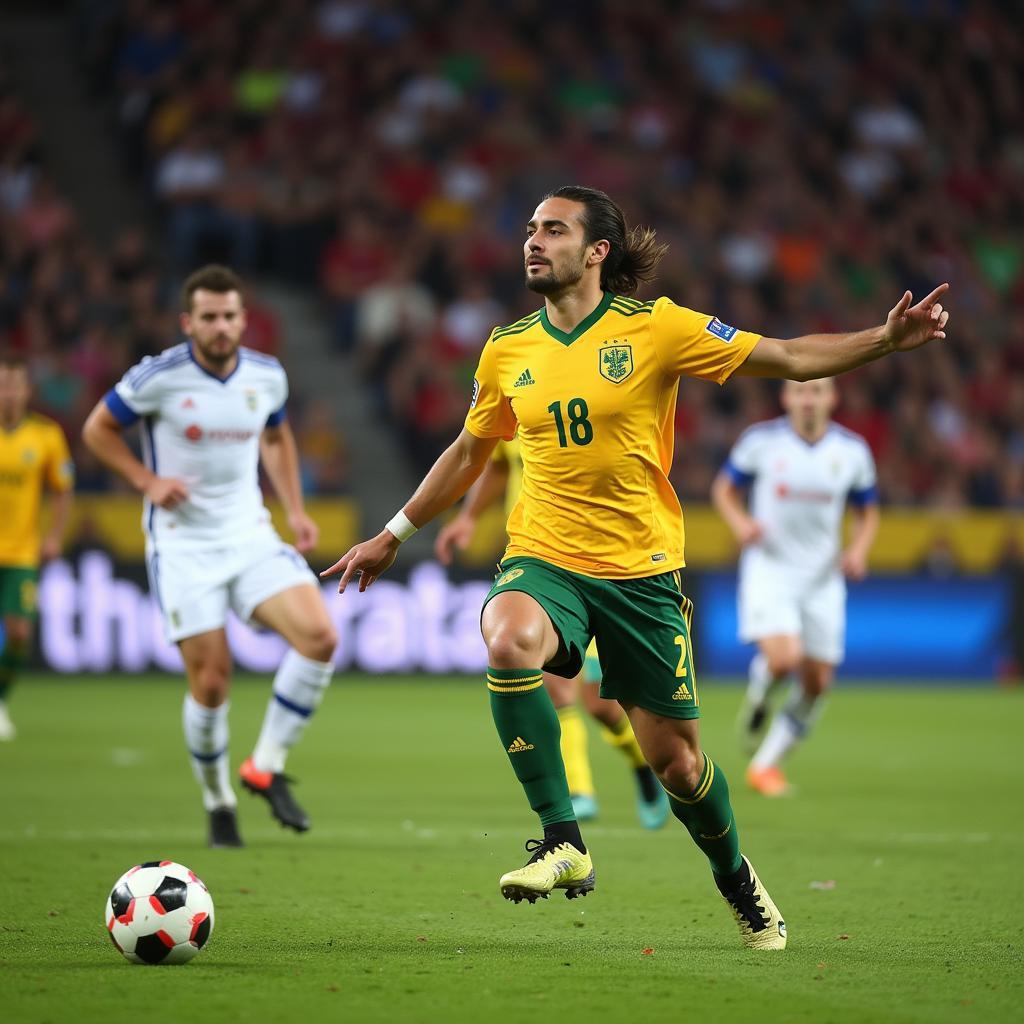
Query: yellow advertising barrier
[972,541]
[908,539]
[114,522]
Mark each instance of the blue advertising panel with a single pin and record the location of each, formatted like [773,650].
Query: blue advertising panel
[897,626]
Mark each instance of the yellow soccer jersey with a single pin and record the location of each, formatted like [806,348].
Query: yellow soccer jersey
[32,455]
[594,411]
[510,453]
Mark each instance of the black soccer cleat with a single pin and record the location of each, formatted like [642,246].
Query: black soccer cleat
[224,829]
[273,787]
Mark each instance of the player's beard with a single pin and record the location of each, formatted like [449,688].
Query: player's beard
[216,353]
[569,274]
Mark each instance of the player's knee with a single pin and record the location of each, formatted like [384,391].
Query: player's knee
[210,683]
[320,642]
[514,647]
[679,768]
[19,633]
[816,683]
[783,663]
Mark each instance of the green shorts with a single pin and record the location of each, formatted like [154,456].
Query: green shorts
[18,591]
[642,627]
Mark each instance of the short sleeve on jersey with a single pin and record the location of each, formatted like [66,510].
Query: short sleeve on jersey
[60,470]
[490,414]
[744,460]
[692,344]
[139,391]
[279,394]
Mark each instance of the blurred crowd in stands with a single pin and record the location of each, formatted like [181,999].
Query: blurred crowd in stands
[807,163]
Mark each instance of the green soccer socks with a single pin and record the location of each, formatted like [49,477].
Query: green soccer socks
[528,726]
[707,815]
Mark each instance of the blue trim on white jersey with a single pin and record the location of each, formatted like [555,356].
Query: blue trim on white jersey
[177,356]
[120,409]
[261,358]
[864,496]
[740,477]
[210,373]
[150,444]
[275,419]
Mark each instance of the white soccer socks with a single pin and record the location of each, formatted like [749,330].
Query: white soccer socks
[206,736]
[298,690]
[788,727]
[761,682]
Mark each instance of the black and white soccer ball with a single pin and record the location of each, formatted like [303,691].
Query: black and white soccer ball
[159,913]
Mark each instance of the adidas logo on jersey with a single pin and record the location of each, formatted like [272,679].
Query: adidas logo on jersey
[525,379]
[519,745]
[683,693]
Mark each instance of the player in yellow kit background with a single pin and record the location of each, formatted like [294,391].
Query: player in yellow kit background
[503,480]
[596,541]
[33,456]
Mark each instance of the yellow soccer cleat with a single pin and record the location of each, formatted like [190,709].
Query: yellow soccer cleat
[552,866]
[761,925]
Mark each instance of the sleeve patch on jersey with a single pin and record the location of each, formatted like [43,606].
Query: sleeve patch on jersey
[476,393]
[123,413]
[720,330]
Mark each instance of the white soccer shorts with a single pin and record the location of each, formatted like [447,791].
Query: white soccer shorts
[772,602]
[196,587]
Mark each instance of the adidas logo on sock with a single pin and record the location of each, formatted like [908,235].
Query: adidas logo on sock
[683,693]
[525,378]
[518,745]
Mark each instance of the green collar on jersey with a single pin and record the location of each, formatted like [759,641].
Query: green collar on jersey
[567,338]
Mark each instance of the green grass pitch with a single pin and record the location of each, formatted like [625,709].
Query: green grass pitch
[910,801]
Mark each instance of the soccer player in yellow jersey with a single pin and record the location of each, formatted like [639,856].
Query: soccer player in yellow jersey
[590,382]
[33,456]
[503,479]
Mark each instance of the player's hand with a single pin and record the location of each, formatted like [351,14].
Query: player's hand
[367,560]
[908,326]
[167,492]
[49,549]
[455,535]
[304,530]
[854,564]
[748,531]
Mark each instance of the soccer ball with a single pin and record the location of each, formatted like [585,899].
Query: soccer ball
[159,913]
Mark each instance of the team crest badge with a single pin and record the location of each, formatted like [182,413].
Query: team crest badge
[508,577]
[616,362]
[251,400]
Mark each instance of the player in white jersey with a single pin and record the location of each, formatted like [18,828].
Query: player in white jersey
[211,411]
[802,471]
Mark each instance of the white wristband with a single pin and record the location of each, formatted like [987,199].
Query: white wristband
[401,526]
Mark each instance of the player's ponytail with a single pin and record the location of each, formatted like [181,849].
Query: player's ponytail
[634,253]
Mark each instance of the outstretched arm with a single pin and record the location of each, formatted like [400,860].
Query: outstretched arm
[824,355]
[488,489]
[447,481]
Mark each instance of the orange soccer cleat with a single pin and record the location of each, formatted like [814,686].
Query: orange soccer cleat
[768,781]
